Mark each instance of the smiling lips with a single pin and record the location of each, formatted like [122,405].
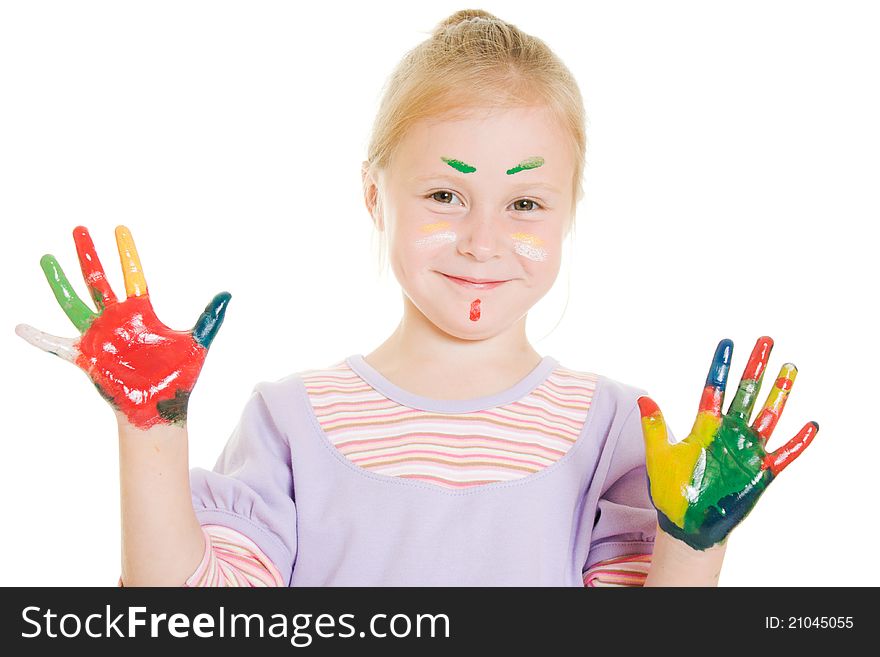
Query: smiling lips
[474,283]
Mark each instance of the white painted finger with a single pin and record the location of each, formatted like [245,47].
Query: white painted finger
[62,347]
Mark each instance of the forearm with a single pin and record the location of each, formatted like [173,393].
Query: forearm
[162,541]
[675,563]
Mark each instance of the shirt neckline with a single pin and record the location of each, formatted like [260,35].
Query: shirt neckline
[518,390]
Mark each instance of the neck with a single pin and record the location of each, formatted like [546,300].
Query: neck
[420,345]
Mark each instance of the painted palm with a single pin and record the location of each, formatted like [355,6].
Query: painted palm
[704,485]
[144,369]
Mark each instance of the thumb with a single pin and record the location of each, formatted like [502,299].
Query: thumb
[210,320]
[666,470]
[653,429]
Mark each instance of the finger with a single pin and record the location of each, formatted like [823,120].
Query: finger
[709,412]
[668,464]
[716,380]
[769,415]
[135,283]
[62,347]
[778,460]
[750,383]
[210,320]
[77,312]
[653,428]
[92,271]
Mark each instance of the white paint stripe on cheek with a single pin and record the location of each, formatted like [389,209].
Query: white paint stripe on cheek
[437,238]
[531,252]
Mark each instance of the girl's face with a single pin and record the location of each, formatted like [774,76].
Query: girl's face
[487,197]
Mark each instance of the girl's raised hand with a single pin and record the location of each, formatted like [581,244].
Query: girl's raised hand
[704,485]
[144,369]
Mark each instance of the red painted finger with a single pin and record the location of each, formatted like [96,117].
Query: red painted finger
[92,271]
[777,461]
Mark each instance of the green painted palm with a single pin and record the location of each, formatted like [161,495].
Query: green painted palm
[706,484]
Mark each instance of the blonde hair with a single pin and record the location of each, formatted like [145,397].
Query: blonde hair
[498,64]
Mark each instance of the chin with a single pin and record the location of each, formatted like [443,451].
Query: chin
[466,329]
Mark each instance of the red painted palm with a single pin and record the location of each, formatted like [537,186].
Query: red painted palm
[145,370]
[706,484]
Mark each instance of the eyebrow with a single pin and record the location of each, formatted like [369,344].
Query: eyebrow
[458,165]
[528,163]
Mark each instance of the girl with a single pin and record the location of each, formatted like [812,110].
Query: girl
[454,453]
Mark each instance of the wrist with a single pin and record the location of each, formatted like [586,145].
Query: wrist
[684,551]
[675,563]
[154,425]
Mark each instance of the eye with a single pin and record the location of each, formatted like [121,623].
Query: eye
[446,193]
[535,205]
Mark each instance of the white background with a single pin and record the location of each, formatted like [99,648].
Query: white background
[731,191]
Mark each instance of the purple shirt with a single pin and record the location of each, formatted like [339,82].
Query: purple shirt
[325,521]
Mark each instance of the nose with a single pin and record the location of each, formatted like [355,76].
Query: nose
[480,236]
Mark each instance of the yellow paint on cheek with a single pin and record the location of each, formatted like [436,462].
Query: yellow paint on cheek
[529,246]
[431,228]
[436,234]
[528,238]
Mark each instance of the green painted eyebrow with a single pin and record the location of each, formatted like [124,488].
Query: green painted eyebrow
[530,163]
[458,165]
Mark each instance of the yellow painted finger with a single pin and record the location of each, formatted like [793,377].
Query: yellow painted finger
[772,409]
[135,283]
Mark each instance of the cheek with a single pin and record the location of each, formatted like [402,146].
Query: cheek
[430,236]
[539,256]
[431,241]
[531,246]
[416,247]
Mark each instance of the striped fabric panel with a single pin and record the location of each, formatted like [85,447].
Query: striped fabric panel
[452,450]
[232,559]
[626,570]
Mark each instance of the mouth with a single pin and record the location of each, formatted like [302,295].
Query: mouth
[474,283]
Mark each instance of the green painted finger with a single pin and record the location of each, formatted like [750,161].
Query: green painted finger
[750,383]
[77,312]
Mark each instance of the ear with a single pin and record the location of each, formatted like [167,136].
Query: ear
[371,195]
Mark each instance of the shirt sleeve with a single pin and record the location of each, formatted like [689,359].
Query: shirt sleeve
[629,570]
[251,488]
[626,520]
[232,559]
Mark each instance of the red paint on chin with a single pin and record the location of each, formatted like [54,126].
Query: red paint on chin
[475,310]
